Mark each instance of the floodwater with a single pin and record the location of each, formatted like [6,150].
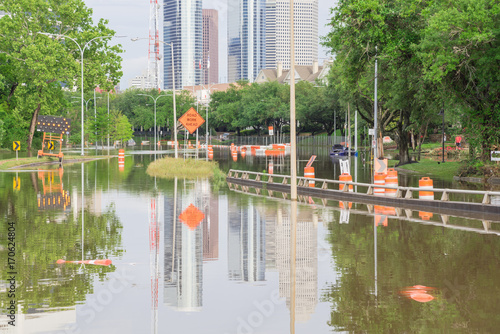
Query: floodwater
[196,257]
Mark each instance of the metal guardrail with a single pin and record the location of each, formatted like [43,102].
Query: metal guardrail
[325,185]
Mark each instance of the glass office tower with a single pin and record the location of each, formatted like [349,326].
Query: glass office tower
[182,26]
[246,33]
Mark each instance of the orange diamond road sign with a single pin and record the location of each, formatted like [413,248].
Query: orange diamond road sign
[191,120]
[192,216]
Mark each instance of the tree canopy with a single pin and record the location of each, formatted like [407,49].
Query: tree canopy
[36,67]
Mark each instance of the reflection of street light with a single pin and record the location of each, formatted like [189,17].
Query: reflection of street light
[155,113]
[173,89]
[82,50]
[442,113]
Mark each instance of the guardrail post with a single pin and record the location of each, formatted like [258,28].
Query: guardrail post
[487,199]
[409,194]
[445,196]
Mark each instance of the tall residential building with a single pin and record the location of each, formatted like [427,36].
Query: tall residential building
[182,26]
[246,33]
[210,46]
[278,32]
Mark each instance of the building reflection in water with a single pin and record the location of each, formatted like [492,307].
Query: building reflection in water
[246,242]
[184,249]
[306,280]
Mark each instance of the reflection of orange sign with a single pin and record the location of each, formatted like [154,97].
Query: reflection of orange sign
[192,216]
[418,293]
[191,120]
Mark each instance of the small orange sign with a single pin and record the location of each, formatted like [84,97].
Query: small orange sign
[192,216]
[191,120]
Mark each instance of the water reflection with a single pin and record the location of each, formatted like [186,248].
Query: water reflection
[49,228]
[248,263]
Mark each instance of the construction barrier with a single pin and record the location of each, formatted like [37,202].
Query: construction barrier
[121,159]
[271,167]
[309,173]
[426,184]
[425,215]
[379,180]
[345,177]
[391,180]
[234,153]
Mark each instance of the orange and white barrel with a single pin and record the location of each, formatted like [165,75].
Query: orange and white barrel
[391,181]
[379,181]
[234,153]
[189,144]
[425,215]
[425,185]
[271,167]
[345,205]
[121,159]
[345,177]
[309,173]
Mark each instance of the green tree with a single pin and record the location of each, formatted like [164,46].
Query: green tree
[42,64]
[459,49]
[121,129]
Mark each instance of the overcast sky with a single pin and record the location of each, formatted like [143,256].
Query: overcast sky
[131,18]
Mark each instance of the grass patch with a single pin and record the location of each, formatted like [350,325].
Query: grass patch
[432,167]
[168,168]
[10,163]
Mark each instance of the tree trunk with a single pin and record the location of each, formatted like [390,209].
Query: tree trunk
[33,127]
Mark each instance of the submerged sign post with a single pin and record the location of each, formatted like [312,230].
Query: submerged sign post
[191,120]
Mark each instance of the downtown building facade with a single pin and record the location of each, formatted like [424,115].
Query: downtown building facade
[259,36]
[210,63]
[278,32]
[246,34]
[183,27]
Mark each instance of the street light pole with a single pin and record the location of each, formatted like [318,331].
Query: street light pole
[82,50]
[442,113]
[154,100]
[173,89]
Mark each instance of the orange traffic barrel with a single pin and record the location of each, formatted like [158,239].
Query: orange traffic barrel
[243,153]
[210,154]
[345,177]
[391,180]
[309,173]
[189,144]
[425,184]
[379,181]
[271,167]
[121,159]
[234,153]
[345,205]
[425,215]
[380,216]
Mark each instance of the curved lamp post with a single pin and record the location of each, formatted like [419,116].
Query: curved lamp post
[154,100]
[82,50]
[173,89]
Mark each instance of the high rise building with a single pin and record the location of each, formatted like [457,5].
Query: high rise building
[182,26]
[210,46]
[246,33]
[278,32]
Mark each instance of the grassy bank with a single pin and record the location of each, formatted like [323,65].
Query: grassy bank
[11,163]
[169,168]
[430,167]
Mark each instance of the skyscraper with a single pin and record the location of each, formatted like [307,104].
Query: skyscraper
[246,33]
[182,26]
[210,46]
[278,32]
